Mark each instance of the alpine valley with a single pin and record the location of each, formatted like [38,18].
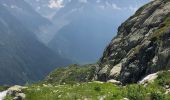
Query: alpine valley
[135,65]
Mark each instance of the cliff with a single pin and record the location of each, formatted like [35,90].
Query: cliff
[141,47]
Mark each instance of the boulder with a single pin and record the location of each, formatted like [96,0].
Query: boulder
[114,82]
[16,92]
[115,71]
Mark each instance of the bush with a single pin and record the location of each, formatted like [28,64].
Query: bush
[158,96]
[136,92]
[164,78]
[97,88]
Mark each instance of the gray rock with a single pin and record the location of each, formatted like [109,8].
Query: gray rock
[103,73]
[16,92]
[115,71]
[142,45]
[114,82]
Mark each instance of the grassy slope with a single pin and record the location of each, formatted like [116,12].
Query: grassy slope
[71,74]
[94,91]
[97,90]
[2,88]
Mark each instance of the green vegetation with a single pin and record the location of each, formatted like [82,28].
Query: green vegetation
[71,74]
[164,79]
[90,91]
[98,90]
[50,90]
[95,91]
[139,11]
[162,30]
[2,88]
[8,98]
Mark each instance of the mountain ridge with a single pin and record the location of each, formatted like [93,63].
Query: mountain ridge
[22,57]
[134,66]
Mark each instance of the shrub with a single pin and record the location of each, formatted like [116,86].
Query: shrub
[164,78]
[136,92]
[97,88]
[158,96]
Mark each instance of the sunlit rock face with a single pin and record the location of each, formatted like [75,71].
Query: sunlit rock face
[141,46]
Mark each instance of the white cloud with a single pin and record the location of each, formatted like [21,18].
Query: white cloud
[102,6]
[98,1]
[13,6]
[5,5]
[56,4]
[114,6]
[38,8]
[37,0]
[83,1]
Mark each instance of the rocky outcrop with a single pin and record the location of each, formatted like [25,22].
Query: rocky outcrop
[141,47]
[16,92]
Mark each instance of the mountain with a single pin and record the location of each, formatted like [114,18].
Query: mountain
[47,8]
[84,27]
[141,46]
[26,15]
[138,54]
[75,21]
[22,57]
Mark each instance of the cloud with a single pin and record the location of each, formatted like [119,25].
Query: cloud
[83,1]
[98,1]
[114,6]
[56,4]
[101,7]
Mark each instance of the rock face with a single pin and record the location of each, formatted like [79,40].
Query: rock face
[141,47]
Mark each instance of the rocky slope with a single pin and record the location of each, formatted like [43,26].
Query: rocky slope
[141,47]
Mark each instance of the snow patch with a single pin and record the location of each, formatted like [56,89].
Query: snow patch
[2,95]
[149,78]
